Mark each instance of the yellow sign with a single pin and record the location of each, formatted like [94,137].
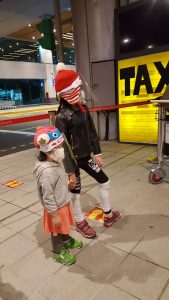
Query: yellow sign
[12,183]
[140,79]
[96,214]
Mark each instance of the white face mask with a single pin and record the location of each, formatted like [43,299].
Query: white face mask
[82,97]
[57,154]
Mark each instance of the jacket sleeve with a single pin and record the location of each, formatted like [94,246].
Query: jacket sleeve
[49,199]
[94,141]
[69,161]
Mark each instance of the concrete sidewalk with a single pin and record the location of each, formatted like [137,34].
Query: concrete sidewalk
[126,262]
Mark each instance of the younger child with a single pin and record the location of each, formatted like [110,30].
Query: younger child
[53,193]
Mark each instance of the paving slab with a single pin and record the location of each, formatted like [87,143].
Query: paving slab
[140,278]
[14,249]
[155,243]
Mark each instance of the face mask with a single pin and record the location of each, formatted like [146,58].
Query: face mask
[57,154]
[72,97]
[82,97]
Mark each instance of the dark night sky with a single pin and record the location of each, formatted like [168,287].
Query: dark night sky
[145,25]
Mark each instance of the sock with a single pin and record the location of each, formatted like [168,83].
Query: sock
[105,196]
[77,207]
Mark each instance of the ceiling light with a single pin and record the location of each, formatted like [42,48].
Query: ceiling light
[54,30]
[150,46]
[126,41]
[29,25]
[10,46]
[33,38]
[42,34]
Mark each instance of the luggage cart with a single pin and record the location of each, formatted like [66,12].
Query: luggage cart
[158,174]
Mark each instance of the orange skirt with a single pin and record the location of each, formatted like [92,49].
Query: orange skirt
[67,220]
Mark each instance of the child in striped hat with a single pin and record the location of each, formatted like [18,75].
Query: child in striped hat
[74,120]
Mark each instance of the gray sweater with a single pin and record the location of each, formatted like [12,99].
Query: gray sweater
[52,185]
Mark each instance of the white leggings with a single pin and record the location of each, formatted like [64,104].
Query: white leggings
[104,197]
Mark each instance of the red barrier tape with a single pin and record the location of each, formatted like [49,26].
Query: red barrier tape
[23,120]
[116,106]
[92,109]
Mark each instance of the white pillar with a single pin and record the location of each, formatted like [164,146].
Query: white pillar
[46,58]
[93,24]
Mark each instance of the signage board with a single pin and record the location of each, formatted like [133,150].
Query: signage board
[140,79]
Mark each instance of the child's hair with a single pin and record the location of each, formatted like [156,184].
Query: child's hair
[42,156]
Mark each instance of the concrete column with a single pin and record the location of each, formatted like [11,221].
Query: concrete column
[46,58]
[58,30]
[93,25]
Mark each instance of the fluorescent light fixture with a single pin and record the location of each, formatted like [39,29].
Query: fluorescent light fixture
[14,54]
[22,50]
[7,55]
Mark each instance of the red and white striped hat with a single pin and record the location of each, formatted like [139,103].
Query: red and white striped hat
[66,80]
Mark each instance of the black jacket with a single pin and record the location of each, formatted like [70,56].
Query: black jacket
[79,129]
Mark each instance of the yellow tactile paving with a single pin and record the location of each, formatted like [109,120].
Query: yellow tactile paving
[28,110]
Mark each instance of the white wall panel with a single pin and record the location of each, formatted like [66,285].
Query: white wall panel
[22,70]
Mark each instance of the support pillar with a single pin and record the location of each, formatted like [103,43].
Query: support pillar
[46,58]
[60,51]
[93,25]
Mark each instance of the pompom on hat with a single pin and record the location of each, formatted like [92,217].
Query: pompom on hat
[66,80]
[47,137]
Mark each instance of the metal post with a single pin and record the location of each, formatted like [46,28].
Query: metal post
[58,29]
[98,124]
[52,117]
[161,134]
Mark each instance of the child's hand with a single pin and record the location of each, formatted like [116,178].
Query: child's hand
[72,181]
[99,160]
[71,185]
[56,220]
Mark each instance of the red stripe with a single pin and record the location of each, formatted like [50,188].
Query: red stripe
[116,106]
[92,109]
[23,120]
[70,95]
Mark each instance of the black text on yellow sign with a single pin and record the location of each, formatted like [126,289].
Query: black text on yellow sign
[142,78]
[139,79]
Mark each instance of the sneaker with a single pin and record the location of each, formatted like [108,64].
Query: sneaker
[64,257]
[85,230]
[72,244]
[108,221]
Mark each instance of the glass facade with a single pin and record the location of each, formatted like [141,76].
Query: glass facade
[22,91]
[23,46]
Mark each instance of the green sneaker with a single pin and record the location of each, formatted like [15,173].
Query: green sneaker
[64,257]
[72,244]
